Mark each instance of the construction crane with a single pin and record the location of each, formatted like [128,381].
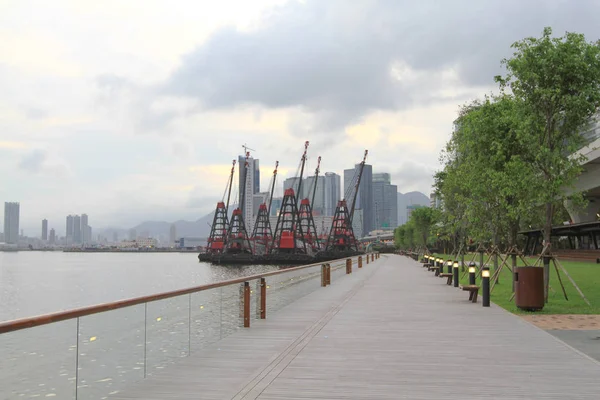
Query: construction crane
[288,239]
[262,233]
[341,235]
[307,221]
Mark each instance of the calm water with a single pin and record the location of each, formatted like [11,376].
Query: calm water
[34,283]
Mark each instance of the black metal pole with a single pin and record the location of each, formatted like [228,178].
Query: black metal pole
[455,271]
[485,286]
[449,264]
[472,270]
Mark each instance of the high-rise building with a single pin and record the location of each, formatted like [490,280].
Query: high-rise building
[385,200]
[292,183]
[307,191]
[259,198]
[248,187]
[276,206]
[364,199]
[84,229]
[70,229]
[77,237]
[172,235]
[44,229]
[332,193]
[132,234]
[11,222]
[52,236]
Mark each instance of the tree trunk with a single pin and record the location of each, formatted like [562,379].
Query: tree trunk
[547,242]
[496,255]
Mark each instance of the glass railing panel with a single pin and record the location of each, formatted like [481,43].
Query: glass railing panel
[111,351]
[232,314]
[286,288]
[206,318]
[338,270]
[39,362]
[167,332]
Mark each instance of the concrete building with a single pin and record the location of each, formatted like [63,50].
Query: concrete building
[52,239]
[307,192]
[44,229]
[292,183]
[172,235]
[248,188]
[86,236]
[11,222]
[77,236]
[332,193]
[385,200]
[364,199]
[276,206]
[69,230]
[132,234]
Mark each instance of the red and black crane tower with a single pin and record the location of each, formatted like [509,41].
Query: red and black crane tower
[288,240]
[262,234]
[341,236]
[307,221]
[237,241]
[218,231]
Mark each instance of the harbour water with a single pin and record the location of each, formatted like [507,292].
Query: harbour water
[34,283]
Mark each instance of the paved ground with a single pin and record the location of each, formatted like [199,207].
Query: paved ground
[390,331]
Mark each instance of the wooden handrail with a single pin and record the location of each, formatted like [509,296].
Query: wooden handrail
[30,322]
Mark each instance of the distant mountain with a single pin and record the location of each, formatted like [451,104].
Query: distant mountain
[407,199]
[199,228]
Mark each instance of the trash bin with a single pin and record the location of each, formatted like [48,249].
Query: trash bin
[529,288]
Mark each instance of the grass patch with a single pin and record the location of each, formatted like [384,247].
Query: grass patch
[585,274]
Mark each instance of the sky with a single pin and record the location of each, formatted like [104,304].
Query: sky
[133,111]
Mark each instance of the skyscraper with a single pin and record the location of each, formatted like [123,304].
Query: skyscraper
[77,229]
[248,187]
[44,229]
[307,192]
[52,236]
[364,199]
[11,223]
[85,231]
[385,201]
[332,193]
[172,235]
[70,229]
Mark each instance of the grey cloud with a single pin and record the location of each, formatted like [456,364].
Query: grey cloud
[412,175]
[34,161]
[333,59]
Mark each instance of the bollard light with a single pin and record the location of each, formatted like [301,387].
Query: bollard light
[449,264]
[472,270]
[455,273]
[485,286]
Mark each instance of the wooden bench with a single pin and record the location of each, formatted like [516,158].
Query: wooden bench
[449,276]
[473,290]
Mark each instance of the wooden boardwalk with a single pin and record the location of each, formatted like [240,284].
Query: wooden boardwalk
[388,331]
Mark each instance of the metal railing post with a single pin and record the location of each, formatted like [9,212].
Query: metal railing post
[246,304]
[263,298]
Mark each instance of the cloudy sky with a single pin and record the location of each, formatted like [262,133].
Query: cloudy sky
[133,111]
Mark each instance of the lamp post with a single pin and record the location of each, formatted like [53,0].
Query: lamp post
[485,286]
[472,270]
[449,264]
[455,272]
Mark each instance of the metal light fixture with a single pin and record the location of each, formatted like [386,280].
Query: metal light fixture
[455,265]
[471,270]
[485,273]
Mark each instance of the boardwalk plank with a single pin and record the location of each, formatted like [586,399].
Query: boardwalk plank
[388,331]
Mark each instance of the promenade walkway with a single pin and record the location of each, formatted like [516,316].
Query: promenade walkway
[388,331]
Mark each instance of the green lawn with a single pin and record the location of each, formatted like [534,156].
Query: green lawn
[586,275]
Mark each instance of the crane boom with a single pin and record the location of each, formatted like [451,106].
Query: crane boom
[303,162]
[244,185]
[230,185]
[362,166]
[317,170]
[272,187]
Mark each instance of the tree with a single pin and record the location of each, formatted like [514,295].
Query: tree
[423,218]
[557,84]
